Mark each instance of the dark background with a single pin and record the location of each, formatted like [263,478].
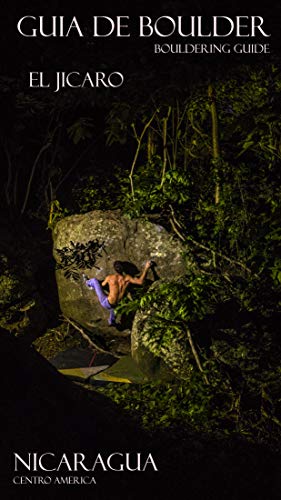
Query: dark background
[28,114]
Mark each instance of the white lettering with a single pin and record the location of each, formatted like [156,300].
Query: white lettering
[150,461]
[40,462]
[56,25]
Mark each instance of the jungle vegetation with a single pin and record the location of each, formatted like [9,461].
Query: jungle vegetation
[199,154]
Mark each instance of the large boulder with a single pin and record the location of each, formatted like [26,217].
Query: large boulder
[92,242]
[158,357]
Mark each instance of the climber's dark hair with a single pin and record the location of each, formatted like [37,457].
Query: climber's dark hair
[118,266]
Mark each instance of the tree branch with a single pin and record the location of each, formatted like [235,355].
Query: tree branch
[44,148]
[165,125]
[139,141]
[195,354]
[86,337]
[173,223]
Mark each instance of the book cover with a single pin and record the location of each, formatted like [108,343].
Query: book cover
[140,250]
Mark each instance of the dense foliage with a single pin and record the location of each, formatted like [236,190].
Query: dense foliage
[208,167]
[229,382]
[79,256]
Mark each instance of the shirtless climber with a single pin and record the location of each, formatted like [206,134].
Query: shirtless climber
[118,284]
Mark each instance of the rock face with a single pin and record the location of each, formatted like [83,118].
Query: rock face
[157,358]
[117,238]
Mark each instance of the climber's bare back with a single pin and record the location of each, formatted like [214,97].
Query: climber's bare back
[118,284]
[117,287]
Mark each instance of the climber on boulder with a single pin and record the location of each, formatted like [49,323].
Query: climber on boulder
[118,284]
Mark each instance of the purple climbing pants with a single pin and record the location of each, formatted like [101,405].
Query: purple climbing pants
[103,300]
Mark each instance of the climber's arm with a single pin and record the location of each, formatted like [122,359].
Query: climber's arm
[140,280]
